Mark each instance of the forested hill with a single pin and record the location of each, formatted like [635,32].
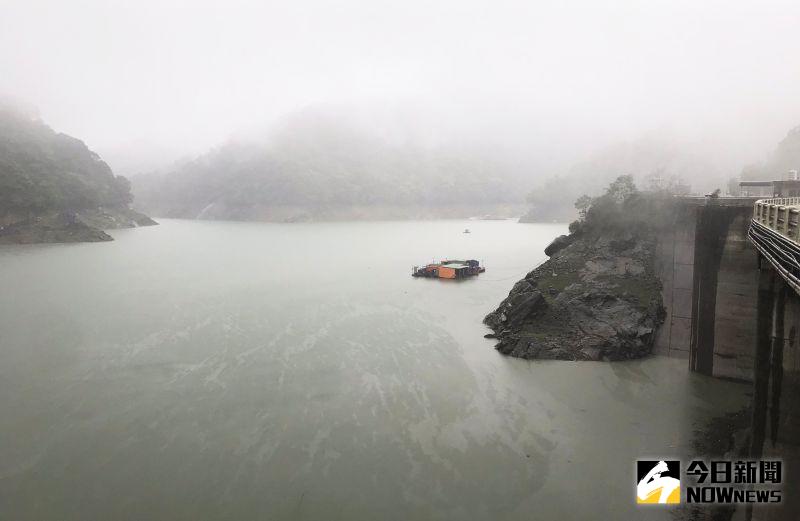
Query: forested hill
[42,170]
[53,181]
[785,157]
[319,170]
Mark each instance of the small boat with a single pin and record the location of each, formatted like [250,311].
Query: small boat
[449,269]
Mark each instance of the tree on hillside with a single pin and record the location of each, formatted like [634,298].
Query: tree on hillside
[621,188]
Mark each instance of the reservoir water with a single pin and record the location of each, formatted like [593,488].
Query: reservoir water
[210,370]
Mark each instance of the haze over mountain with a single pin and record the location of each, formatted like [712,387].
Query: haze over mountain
[52,187]
[336,163]
[543,85]
[320,164]
[42,170]
[785,157]
[656,161]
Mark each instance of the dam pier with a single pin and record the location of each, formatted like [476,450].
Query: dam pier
[730,270]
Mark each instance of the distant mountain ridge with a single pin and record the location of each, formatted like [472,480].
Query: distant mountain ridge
[785,157]
[320,169]
[655,161]
[50,182]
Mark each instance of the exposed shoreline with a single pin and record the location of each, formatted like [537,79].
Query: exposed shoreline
[65,227]
[290,213]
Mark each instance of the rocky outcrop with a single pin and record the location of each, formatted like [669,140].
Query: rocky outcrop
[558,244]
[596,298]
[58,228]
[114,218]
[82,226]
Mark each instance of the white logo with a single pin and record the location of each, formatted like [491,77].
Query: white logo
[655,488]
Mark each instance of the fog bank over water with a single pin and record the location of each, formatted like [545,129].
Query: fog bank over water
[544,85]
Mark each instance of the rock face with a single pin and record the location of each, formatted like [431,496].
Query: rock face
[59,228]
[596,298]
[558,244]
[114,218]
[82,226]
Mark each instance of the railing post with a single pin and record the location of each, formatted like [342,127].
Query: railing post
[786,220]
[781,215]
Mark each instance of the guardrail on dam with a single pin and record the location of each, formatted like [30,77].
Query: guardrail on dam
[774,233]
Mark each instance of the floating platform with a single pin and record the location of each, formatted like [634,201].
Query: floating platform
[449,269]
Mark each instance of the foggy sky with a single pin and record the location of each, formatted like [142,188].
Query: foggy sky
[552,78]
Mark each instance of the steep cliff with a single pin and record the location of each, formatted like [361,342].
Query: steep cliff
[597,297]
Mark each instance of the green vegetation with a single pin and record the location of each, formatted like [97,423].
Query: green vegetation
[560,280]
[623,208]
[44,171]
[639,290]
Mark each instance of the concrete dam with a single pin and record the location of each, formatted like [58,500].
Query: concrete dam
[729,269]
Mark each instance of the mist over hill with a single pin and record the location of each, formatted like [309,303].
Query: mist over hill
[43,170]
[656,162]
[785,157]
[314,166]
[320,164]
[52,187]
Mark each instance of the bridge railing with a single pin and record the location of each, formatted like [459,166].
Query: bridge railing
[780,214]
